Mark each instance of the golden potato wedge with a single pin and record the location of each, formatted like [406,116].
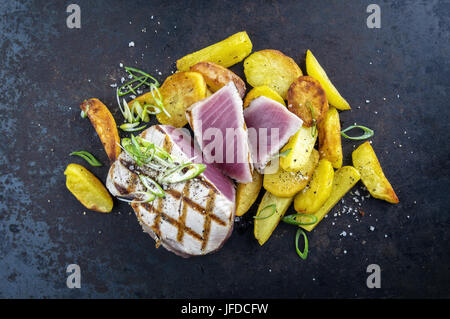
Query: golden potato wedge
[330,146]
[217,76]
[179,91]
[366,162]
[105,126]
[344,179]
[262,91]
[318,189]
[301,146]
[285,183]
[307,99]
[263,228]
[273,69]
[88,189]
[208,92]
[247,193]
[226,53]
[314,69]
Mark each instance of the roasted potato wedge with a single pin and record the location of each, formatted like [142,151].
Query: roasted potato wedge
[179,91]
[246,194]
[273,69]
[314,69]
[262,91]
[329,130]
[105,126]
[285,183]
[318,189]
[307,99]
[344,179]
[226,53]
[301,146]
[366,162]
[88,189]
[217,76]
[263,228]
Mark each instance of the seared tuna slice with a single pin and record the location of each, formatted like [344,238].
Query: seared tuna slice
[219,128]
[270,125]
[196,216]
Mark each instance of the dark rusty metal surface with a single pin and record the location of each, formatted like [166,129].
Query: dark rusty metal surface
[46,70]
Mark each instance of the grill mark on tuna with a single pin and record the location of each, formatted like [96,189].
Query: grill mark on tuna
[184,209]
[172,221]
[208,217]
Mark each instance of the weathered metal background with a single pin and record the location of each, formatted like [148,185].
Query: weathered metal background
[46,70]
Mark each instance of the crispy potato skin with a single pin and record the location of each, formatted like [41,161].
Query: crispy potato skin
[105,126]
[263,228]
[225,53]
[314,69]
[366,162]
[286,184]
[246,194]
[179,91]
[301,145]
[330,144]
[88,189]
[262,91]
[217,76]
[273,69]
[344,179]
[318,189]
[303,90]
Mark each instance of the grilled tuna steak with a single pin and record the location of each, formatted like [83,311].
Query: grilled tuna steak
[270,125]
[196,216]
[219,128]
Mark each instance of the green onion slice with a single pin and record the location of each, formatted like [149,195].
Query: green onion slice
[88,157]
[300,219]
[152,186]
[314,127]
[303,255]
[368,133]
[131,127]
[271,210]
[182,173]
[130,70]
[83,114]
[146,197]
[158,98]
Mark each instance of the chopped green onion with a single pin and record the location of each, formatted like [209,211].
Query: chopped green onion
[152,186]
[130,70]
[148,197]
[300,219]
[273,207]
[314,127]
[368,133]
[88,157]
[303,255]
[83,114]
[182,173]
[131,127]
[131,89]
[158,99]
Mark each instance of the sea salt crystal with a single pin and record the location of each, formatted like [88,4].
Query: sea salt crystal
[372,228]
[131,44]
[344,233]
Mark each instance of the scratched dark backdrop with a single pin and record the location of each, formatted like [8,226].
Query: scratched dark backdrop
[46,70]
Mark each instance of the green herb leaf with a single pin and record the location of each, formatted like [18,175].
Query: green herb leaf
[368,133]
[303,255]
[88,157]
[272,208]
